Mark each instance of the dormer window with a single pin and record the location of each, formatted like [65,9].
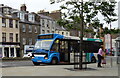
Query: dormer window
[22,16]
[31,17]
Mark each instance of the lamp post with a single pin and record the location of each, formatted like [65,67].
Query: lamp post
[81,37]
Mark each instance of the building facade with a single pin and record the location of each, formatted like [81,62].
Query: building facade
[9,33]
[47,24]
[29,28]
[61,30]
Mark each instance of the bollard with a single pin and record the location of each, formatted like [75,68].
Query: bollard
[111,62]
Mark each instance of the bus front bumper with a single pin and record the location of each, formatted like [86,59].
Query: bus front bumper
[41,60]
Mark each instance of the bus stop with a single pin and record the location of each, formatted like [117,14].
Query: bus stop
[118,49]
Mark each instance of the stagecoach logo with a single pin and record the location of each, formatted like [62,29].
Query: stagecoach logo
[97,40]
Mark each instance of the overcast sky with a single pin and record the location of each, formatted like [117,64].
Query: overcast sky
[36,5]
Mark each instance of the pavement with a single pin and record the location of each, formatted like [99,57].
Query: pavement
[110,69]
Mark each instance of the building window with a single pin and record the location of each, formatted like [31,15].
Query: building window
[30,41]
[16,37]
[35,29]
[16,24]
[24,41]
[62,33]
[48,31]
[3,22]
[43,31]
[66,33]
[43,22]
[30,17]
[48,23]
[11,23]
[22,16]
[30,28]
[23,28]
[11,37]
[3,37]
[52,31]
[53,27]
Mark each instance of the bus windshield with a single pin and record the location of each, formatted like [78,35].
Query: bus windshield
[43,44]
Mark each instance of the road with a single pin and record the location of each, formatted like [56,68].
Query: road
[26,68]
[16,64]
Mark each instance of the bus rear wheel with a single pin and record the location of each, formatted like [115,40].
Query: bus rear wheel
[54,61]
[36,63]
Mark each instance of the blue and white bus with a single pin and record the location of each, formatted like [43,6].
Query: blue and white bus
[56,48]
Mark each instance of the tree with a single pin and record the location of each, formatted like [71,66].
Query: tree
[72,14]
[110,31]
[79,15]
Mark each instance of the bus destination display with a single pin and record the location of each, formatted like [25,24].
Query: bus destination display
[45,37]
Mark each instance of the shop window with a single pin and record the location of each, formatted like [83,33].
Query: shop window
[12,52]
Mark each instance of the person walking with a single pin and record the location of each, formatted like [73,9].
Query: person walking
[104,58]
[99,56]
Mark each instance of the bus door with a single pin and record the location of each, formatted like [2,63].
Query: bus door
[63,49]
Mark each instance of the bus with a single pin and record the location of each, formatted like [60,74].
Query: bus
[56,48]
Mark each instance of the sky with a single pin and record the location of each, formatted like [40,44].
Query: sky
[37,5]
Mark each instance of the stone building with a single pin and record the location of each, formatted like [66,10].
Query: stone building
[47,24]
[56,15]
[61,30]
[9,33]
[29,28]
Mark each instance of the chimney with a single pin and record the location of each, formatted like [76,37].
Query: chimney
[23,7]
[1,4]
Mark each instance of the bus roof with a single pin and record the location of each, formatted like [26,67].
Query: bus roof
[86,39]
[71,37]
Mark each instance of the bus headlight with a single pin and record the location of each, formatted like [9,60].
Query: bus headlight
[45,57]
[32,57]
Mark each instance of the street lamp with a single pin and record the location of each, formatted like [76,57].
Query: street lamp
[81,37]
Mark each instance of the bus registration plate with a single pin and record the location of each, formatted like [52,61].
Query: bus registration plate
[39,61]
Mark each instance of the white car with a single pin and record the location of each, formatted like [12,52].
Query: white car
[27,55]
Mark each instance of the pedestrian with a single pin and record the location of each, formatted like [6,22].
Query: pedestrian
[104,58]
[99,56]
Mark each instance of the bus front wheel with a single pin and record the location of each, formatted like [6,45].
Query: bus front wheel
[54,61]
[36,63]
